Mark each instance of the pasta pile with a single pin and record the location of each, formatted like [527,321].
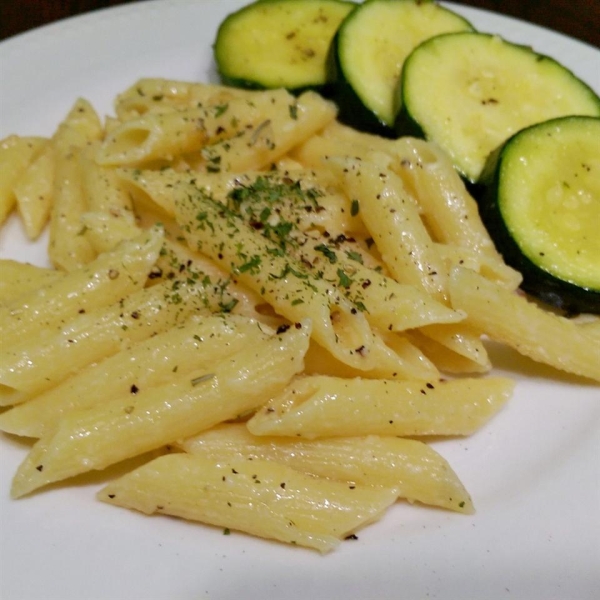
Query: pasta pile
[272,308]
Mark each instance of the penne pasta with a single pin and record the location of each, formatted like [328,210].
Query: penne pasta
[104,281]
[164,95]
[18,279]
[393,220]
[37,364]
[411,363]
[147,419]
[34,192]
[198,342]
[16,154]
[292,291]
[106,230]
[322,406]
[515,321]
[417,471]
[262,498]
[267,300]
[68,248]
[285,124]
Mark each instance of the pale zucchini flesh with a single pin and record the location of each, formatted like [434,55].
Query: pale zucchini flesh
[542,208]
[469,92]
[558,200]
[375,39]
[279,43]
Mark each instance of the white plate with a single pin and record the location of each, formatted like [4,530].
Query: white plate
[533,472]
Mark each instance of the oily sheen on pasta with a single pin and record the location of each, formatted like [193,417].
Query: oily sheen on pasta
[270,312]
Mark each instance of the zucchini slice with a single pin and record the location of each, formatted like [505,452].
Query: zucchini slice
[469,92]
[370,48]
[541,206]
[279,43]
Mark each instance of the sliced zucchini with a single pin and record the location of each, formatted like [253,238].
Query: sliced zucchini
[469,92]
[370,48]
[279,43]
[541,206]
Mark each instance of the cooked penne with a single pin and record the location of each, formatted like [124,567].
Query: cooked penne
[417,471]
[38,364]
[411,363]
[199,342]
[451,214]
[146,419]
[35,192]
[491,267]
[286,123]
[462,341]
[18,279]
[267,300]
[515,321]
[163,95]
[262,498]
[292,291]
[105,280]
[278,205]
[387,304]
[68,248]
[103,187]
[322,406]
[106,230]
[16,154]
[154,136]
[393,220]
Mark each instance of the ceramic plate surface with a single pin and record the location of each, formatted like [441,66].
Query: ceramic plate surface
[533,472]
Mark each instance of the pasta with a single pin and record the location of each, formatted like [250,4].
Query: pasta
[321,406]
[263,498]
[68,249]
[262,305]
[412,467]
[147,419]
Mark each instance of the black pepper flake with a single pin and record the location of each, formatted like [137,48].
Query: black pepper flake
[283,328]
[430,386]
[134,389]
[111,496]
[40,468]
[282,485]
[352,536]
[155,273]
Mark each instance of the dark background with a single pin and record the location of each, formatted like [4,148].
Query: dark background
[577,18]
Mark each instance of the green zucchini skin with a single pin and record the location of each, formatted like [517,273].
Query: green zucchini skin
[369,50]
[469,92]
[279,43]
[541,205]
